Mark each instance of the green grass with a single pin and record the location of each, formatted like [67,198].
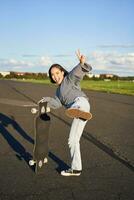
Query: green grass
[118,87]
[45,81]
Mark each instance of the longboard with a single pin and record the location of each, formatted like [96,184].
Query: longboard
[41,134]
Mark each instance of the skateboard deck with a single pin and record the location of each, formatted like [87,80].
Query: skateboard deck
[41,134]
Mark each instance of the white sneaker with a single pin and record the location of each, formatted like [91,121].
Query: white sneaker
[71,172]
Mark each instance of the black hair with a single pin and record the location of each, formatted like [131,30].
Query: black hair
[60,68]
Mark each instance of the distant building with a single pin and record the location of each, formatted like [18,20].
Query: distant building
[101,76]
[89,75]
[20,73]
[4,73]
[97,75]
[108,75]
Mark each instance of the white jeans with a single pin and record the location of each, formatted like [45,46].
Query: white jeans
[76,133]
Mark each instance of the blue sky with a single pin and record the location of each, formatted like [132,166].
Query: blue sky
[37,33]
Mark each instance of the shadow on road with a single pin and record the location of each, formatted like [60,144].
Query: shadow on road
[18,148]
[5,121]
[61,165]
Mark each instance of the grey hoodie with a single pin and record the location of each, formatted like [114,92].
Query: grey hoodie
[69,89]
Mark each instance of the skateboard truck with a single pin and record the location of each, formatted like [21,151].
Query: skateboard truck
[43,110]
[33,162]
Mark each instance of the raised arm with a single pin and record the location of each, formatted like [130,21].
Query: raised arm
[81,69]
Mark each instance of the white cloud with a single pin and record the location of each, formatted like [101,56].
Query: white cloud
[24,65]
[13,62]
[121,46]
[113,61]
[45,61]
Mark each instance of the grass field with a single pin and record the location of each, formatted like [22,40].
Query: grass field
[118,87]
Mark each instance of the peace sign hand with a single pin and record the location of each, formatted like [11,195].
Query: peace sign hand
[81,57]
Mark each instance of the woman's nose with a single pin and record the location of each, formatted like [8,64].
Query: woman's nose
[56,78]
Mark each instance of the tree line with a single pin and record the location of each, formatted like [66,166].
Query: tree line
[40,76]
[14,75]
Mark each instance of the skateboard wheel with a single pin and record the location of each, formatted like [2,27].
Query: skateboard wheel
[43,109]
[34,110]
[45,160]
[40,163]
[47,109]
[31,162]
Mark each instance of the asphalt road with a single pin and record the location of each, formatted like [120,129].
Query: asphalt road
[107,147]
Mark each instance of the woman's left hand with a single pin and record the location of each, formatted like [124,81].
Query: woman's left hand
[81,57]
[43,100]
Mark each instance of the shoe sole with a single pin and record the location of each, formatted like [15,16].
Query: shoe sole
[70,174]
[75,113]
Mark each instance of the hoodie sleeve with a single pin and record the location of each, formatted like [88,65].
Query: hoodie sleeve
[79,71]
[53,102]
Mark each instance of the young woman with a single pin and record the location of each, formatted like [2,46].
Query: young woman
[69,94]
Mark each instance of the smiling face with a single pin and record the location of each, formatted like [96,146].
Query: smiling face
[57,75]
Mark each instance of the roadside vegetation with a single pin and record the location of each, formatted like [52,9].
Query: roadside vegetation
[119,85]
